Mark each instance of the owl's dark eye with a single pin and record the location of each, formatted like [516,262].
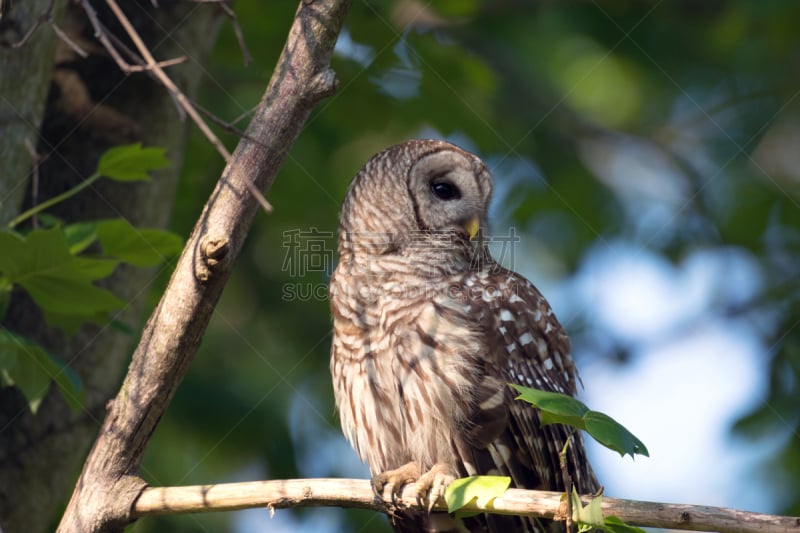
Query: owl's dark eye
[444,190]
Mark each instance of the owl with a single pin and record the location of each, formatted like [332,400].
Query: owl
[428,333]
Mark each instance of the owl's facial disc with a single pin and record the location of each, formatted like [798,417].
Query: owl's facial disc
[447,193]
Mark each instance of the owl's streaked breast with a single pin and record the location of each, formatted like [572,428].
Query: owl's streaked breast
[404,346]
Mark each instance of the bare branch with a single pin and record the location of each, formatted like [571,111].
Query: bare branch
[109,484]
[41,19]
[105,37]
[237,30]
[68,41]
[184,102]
[358,493]
[102,36]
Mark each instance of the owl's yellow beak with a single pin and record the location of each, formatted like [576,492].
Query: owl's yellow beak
[472,226]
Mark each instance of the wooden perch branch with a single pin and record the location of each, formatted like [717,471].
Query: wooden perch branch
[358,493]
[109,484]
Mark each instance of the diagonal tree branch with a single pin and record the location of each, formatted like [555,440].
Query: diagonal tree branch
[357,493]
[105,493]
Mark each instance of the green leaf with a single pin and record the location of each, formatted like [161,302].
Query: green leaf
[590,516]
[23,374]
[47,221]
[67,381]
[69,292]
[96,268]
[79,236]
[139,247]
[42,265]
[131,162]
[613,435]
[29,367]
[613,524]
[557,408]
[483,489]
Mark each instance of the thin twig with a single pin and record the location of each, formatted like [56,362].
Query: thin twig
[38,208]
[102,35]
[68,41]
[243,116]
[357,493]
[41,19]
[227,126]
[237,30]
[139,63]
[105,37]
[165,80]
[178,107]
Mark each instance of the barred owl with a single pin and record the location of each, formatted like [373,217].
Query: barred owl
[428,333]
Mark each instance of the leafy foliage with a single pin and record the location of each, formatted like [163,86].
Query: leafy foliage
[131,162]
[26,365]
[557,408]
[589,516]
[55,266]
[57,280]
[137,246]
[482,489]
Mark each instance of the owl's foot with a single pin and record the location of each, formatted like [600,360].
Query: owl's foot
[431,484]
[396,479]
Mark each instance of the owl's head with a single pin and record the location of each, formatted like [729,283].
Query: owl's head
[412,191]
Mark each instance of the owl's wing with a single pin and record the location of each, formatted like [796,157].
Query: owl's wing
[525,345]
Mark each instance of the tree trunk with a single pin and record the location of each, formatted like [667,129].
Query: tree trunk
[91,106]
[22,104]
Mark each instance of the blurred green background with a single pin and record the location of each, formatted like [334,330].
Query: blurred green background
[648,156]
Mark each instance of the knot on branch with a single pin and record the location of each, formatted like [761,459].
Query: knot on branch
[214,253]
[323,84]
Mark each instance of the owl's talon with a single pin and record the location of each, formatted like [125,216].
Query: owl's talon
[432,484]
[395,479]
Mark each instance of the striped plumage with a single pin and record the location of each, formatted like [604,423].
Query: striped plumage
[429,331]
